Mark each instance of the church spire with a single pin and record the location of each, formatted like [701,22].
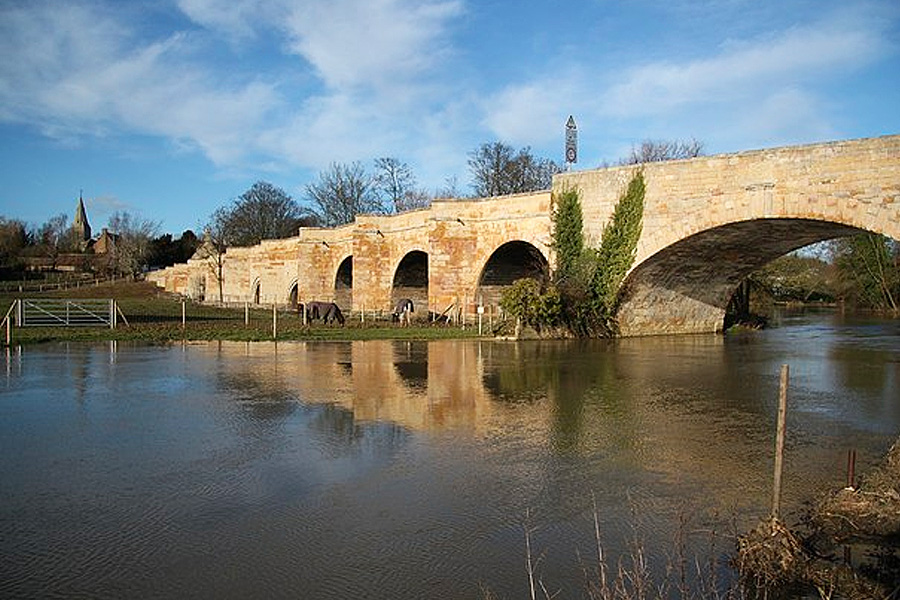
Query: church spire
[80,224]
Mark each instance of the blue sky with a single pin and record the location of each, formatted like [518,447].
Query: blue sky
[171,108]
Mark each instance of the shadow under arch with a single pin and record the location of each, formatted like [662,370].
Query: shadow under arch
[686,287]
[255,291]
[343,284]
[411,281]
[294,295]
[509,262]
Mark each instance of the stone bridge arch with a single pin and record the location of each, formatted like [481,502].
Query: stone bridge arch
[343,283]
[686,287]
[516,259]
[710,221]
[293,296]
[411,280]
[256,291]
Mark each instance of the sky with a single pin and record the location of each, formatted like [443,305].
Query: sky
[169,109]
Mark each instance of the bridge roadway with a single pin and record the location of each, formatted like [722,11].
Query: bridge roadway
[708,223]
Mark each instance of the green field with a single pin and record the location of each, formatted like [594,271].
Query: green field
[156,316]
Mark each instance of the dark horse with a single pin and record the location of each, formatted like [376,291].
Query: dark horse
[327,311]
[404,306]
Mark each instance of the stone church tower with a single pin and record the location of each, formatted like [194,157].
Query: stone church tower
[80,225]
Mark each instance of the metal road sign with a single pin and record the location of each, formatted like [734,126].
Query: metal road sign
[571,141]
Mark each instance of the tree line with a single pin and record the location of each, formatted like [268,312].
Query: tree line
[861,271]
[135,245]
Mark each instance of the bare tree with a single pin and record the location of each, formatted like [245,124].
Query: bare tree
[662,150]
[395,181]
[342,192]
[212,252]
[414,200]
[263,212]
[497,169]
[450,188]
[54,237]
[133,237]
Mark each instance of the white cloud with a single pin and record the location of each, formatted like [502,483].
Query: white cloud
[747,93]
[377,43]
[786,116]
[75,71]
[236,18]
[743,69]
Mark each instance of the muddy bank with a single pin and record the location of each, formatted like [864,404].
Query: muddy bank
[847,547]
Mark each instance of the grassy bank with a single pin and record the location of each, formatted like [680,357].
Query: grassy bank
[155,316]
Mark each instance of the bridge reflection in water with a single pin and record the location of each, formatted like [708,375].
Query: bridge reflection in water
[403,469]
[642,403]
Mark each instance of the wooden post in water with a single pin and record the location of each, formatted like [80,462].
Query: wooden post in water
[183,314]
[851,469]
[274,322]
[779,441]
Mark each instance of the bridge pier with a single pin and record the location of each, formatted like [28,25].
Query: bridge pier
[653,310]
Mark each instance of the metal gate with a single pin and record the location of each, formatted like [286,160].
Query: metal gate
[66,312]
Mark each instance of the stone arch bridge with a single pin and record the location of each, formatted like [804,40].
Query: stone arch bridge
[708,223]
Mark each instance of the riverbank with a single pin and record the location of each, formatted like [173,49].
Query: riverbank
[152,315]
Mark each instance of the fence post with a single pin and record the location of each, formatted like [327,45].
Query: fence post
[274,322]
[183,314]
[779,441]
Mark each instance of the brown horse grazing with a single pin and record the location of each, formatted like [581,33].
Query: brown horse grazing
[327,311]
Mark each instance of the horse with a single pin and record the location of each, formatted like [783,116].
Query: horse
[403,308]
[333,313]
[327,311]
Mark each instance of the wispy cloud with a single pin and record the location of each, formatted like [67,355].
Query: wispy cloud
[376,43]
[363,78]
[744,69]
[765,89]
[78,70]
[86,75]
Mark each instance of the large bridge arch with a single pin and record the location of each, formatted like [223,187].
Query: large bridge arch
[685,287]
[510,261]
[737,211]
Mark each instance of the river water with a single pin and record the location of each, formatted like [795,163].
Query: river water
[411,469]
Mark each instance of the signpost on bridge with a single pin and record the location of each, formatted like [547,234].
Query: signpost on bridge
[571,142]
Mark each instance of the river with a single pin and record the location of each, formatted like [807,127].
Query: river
[411,469]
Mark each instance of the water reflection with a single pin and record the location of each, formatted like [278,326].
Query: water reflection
[403,469]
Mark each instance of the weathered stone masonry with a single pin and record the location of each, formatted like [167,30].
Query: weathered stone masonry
[708,222]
